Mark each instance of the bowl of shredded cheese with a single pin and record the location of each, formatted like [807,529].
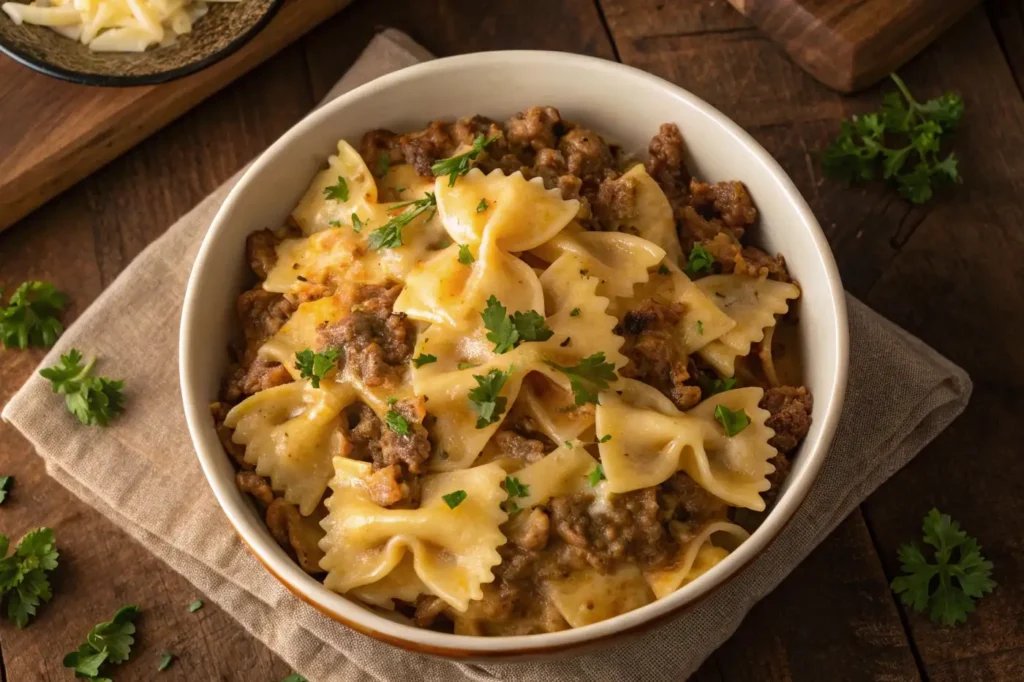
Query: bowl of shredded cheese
[127,42]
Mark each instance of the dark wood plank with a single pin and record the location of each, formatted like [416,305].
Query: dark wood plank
[80,242]
[1007,18]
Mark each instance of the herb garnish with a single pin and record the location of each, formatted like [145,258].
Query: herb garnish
[94,400]
[720,386]
[23,575]
[165,661]
[466,365]
[315,366]
[195,606]
[732,422]
[963,574]
[459,165]
[700,327]
[30,317]
[663,269]
[482,206]
[605,438]
[700,260]
[454,499]
[485,399]
[5,481]
[465,255]
[396,422]
[423,359]
[390,235]
[109,642]
[587,377]
[334,223]
[338,192]
[357,224]
[861,151]
[383,164]
[575,312]
[515,488]
[507,332]
[596,476]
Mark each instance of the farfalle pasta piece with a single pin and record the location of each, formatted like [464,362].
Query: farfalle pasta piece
[618,260]
[652,216]
[356,192]
[291,435]
[552,410]
[696,557]
[651,440]
[452,550]
[563,471]
[752,303]
[587,596]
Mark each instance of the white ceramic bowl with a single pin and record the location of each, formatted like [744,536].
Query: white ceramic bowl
[617,100]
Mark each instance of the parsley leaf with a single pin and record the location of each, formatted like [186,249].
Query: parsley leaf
[515,488]
[900,143]
[596,476]
[482,206]
[383,164]
[732,422]
[465,255]
[295,677]
[663,269]
[5,482]
[165,661]
[587,377]
[109,642]
[459,165]
[338,192]
[357,224]
[397,423]
[334,223]
[24,579]
[466,365]
[94,400]
[575,312]
[423,359]
[195,606]
[700,327]
[389,236]
[700,260]
[605,438]
[959,573]
[508,332]
[30,318]
[721,385]
[531,326]
[485,399]
[454,499]
[315,366]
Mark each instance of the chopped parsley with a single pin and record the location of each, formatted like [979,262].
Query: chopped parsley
[195,606]
[396,422]
[732,422]
[165,661]
[334,223]
[454,499]
[357,224]
[575,312]
[515,488]
[567,444]
[605,438]
[721,385]
[507,332]
[30,318]
[485,398]
[482,206]
[465,255]
[5,482]
[389,235]
[663,269]
[94,400]
[315,366]
[596,476]
[700,327]
[423,359]
[587,377]
[295,677]
[948,585]
[24,576]
[459,165]
[700,260]
[466,365]
[383,164]
[338,192]
[109,642]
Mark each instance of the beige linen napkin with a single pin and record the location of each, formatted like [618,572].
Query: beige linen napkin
[142,472]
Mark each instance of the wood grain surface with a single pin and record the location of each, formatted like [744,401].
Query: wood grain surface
[850,44]
[53,133]
[950,272]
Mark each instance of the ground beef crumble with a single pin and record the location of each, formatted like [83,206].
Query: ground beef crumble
[654,355]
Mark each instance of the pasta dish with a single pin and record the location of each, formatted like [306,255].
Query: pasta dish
[506,379]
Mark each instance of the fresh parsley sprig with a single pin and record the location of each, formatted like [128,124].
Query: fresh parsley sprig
[30,318]
[588,377]
[24,576]
[397,422]
[516,489]
[5,483]
[457,166]
[596,476]
[948,586]
[337,192]
[315,366]
[485,398]
[700,260]
[507,332]
[109,642]
[901,143]
[423,359]
[94,400]
[455,498]
[389,235]
[732,421]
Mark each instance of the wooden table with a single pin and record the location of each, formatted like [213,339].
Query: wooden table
[951,272]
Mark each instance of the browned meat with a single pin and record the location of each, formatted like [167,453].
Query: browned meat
[615,202]
[220,411]
[298,534]
[693,228]
[536,128]
[258,375]
[790,408]
[468,128]
[586,154]
[654,356]
[386,487]
[409,450]
[262,314]
[681,499]
[377,341]
[777,477]
[531,531]
[550,166]
[397,458]
[755,262]
[667,164]
[363,433]
[517,446]
[428,608]
[729,201]
[261,252]
[378,144]
[256,485]
[424,147]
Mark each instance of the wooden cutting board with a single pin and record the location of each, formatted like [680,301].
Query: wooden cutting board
[850,44]
[54,133]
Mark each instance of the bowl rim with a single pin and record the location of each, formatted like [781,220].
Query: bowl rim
[102,80]
[361,619]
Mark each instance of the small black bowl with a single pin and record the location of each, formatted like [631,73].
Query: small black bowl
[224,29]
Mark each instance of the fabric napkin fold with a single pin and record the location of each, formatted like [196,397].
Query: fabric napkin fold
[142,472]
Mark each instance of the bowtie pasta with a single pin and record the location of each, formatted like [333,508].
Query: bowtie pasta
[515,380]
